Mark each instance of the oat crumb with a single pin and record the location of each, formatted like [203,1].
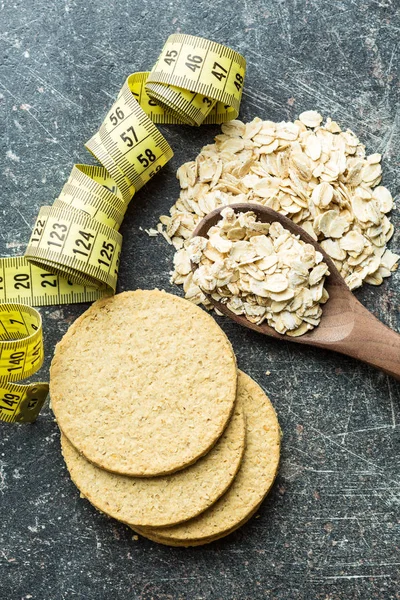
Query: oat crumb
[151,232]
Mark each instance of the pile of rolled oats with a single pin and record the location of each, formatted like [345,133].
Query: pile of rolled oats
[262,271]
[318,175]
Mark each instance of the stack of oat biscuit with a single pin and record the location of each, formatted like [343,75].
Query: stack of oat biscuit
[158,427]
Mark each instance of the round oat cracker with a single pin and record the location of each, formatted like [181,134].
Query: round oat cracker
[252,483]
[143,383]
[165,500]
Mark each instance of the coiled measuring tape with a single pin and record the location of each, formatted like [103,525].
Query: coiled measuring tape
[74,251]
[21,355]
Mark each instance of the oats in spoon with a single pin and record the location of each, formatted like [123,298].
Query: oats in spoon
[262,271]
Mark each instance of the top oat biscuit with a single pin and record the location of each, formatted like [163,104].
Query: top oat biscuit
[143,383]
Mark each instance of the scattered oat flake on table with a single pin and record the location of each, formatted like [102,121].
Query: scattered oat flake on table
[152,232]
[316,174]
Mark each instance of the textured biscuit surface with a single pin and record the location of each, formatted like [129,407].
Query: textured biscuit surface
[143,383]
[165,500]
[253,480]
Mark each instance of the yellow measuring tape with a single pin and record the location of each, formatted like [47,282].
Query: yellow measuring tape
[21,355]
[197,80]
[74,251]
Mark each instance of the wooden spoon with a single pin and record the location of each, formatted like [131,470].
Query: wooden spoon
[346,326]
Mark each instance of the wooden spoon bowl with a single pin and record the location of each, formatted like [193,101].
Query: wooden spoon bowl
[346,325]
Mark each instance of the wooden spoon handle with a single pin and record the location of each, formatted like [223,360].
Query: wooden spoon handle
[372,342]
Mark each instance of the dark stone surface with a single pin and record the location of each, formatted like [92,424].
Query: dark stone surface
[329,530]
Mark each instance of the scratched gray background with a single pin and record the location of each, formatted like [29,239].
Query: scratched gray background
[330,528]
